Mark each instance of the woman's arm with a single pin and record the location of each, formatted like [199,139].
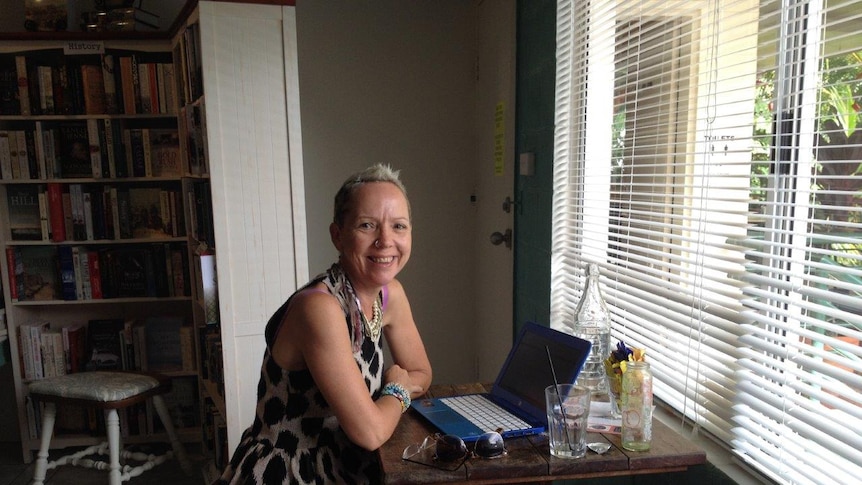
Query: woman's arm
[314,335]
[404,340]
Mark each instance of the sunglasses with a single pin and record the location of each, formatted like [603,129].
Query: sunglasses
[449,452]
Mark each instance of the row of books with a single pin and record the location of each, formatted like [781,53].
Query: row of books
[136,420]
[156,343]
[49,83]
[60,212]
[88,149]
[73,273]
[187,53]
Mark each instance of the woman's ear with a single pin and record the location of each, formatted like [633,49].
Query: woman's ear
[335,236]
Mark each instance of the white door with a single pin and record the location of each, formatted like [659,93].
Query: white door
[496,165]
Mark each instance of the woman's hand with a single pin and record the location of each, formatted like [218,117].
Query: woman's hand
[398,375]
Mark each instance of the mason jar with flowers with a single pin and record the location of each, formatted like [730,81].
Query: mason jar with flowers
[630,385]
[615,365]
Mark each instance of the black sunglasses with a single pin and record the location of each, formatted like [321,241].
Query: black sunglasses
[449,452]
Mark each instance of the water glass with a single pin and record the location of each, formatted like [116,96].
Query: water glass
[567,407]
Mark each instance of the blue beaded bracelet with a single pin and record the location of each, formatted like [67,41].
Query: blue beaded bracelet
[398,392]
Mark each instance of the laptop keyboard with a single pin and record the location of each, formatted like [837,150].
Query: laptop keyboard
[484,413]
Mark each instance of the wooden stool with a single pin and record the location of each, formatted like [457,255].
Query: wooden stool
[107,390]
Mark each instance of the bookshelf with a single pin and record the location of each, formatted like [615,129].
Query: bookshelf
[241,196]
[94,232]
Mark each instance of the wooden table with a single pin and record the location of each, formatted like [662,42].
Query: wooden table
[528,458]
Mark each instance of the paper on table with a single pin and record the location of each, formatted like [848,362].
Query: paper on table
[600,420]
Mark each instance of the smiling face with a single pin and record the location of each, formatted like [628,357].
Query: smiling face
[375,240]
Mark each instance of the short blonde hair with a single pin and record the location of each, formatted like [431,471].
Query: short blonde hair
[375,173]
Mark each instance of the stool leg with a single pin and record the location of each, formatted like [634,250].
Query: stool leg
[177,446]
[49,413]
[112,423]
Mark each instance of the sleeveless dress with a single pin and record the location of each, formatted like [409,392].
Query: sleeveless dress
[295,438]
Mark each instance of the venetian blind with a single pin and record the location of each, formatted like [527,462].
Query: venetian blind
[707,158]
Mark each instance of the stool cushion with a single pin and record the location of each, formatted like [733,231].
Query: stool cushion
[101,386]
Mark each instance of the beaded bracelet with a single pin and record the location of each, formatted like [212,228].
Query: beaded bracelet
[397,391]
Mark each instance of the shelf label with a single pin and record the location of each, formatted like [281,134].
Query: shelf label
[81,47]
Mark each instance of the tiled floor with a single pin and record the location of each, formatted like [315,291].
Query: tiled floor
[14,472]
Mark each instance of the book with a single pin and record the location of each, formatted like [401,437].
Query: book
[31,339]
[94,272]
[53,355]
[9,104]
[131,272]
[164,343]
[145,209]
[73,145]
[127,85]
[165,153]
[92,78]
[43,215]
[55,211]
[68,285]
[103,343]
[109,79]
[6,156]
[136,153]
[95,146]
[36,273]
[23,85]
[75,347]
[46,89]
[23,210]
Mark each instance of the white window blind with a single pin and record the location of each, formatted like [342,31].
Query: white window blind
[708,156]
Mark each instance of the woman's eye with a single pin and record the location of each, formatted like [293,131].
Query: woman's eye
[366,225]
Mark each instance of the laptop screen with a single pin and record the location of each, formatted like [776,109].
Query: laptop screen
[527,372]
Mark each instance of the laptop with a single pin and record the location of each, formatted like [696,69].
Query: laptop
[519,390]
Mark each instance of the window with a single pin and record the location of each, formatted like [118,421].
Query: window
[709,159]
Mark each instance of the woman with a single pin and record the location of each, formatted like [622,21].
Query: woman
[324,401]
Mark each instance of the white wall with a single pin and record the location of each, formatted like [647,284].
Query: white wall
[393,81]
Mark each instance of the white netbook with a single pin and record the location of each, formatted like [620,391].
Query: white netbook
[516,403]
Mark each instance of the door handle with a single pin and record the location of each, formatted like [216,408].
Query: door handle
[498,238]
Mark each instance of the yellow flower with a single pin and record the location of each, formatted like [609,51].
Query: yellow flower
[637,355]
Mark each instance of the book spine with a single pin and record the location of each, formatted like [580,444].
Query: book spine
[5,156]
[94,89]
[11,264]
[67,273]
[136,142]
[14,165]
[110,82]
[23,85]
[26,345]
[95,147]
[148,152]
[41,156]
[76,270]
[32,163]
[47,349]
[144,83]
[35,337]
[128,87]
[44,217]
[110,149]
[59,353]
[46,90]
[84,272]
[23,156]
[95,274]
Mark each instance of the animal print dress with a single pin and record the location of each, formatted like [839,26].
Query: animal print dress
[295,438]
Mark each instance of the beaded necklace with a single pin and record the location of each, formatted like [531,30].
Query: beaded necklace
[372,328]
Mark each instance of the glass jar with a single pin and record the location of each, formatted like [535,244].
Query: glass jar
[637,406]
[592,322]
